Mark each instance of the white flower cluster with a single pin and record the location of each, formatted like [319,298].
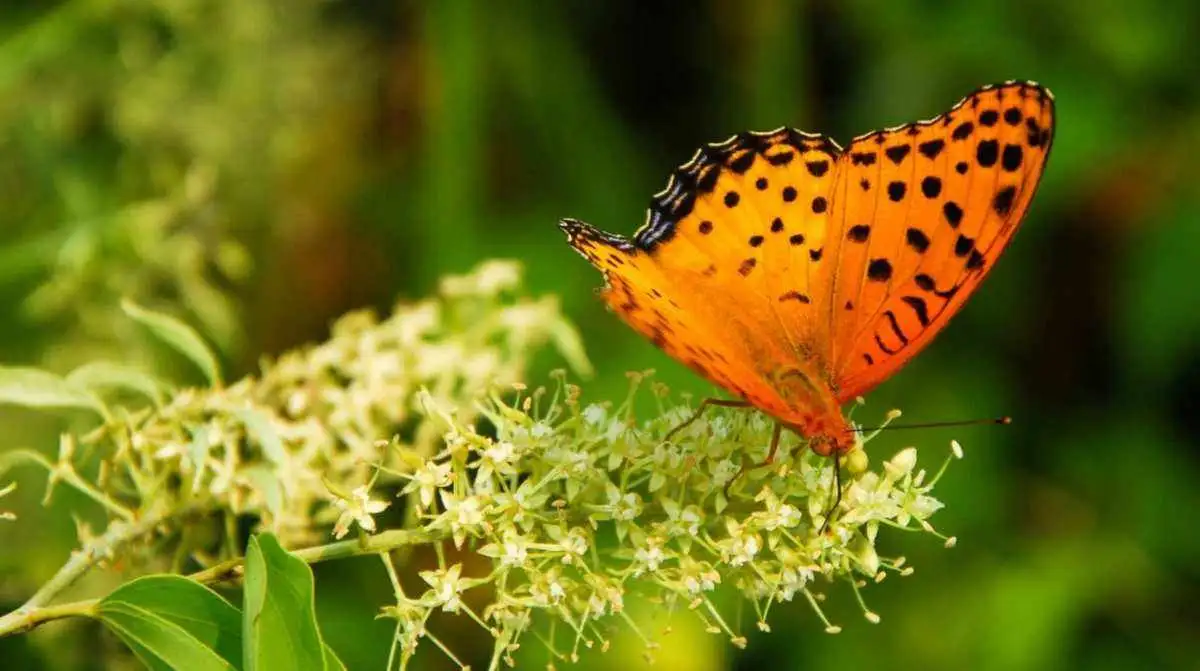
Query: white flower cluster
[296,446]
[565,510]
[581,507]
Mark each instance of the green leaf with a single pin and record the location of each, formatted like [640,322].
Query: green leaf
[179,336]
[280,626]
[332,663]
[97,376]
[171,622]
[198,453]
[569,343]
[267,482]
[36,388]
[258,426]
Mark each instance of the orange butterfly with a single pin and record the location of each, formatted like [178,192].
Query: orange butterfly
[798,275]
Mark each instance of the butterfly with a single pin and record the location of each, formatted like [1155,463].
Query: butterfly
[798,275]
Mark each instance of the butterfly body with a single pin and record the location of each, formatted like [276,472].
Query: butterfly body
[797,275]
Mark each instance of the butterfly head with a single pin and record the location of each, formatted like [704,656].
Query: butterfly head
[828,436]
[827,444]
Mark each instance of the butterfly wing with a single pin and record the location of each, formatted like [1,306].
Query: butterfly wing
[798,276]
[922,212]
[665,312]
[723,274]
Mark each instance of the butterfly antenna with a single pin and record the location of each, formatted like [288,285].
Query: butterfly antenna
[934,425]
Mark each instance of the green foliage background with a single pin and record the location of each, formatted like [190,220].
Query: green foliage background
[258,167]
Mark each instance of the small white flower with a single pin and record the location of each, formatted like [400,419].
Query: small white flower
[720,427]
[793,579]
[699,577]
[500,458]
[597,605]
[594,414]
[428,479]
[492,277]
[437,359]
[465,515]
[741,546]
[956,449]
[617,428]
[779,515]
[864,551]
[650,556]
[691,518]
[901,464]
[625,507]
[358,508]
[744,550]
[445,587]
[685,521]
[573,545]
[411,324]
[170,450]
[548,588]
[500,452]
[480,366]
[922,507]
[573,462]
[514,551]
[604,598]
[724,470]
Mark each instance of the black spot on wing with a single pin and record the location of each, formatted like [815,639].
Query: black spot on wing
[742,163]
[1003,201]
[781,158]
[953,213]
[879,270]
[963,246]
[917,239]
[931,148]
[1011,158]
[817,168]
[896,154]
[986,153]
[919,308]
[931,186]
[891,317]
[794,296]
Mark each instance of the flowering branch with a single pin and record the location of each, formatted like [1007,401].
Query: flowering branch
[574,507]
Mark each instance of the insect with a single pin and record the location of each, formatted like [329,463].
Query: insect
[798,275]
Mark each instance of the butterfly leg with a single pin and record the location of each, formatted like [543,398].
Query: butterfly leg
[775,436]
[837,491]
[700,411]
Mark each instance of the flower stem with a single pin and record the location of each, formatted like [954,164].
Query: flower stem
[33,613]
[21,620]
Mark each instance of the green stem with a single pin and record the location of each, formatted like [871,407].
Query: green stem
[33,613]
[117,534]
[20,621]
[355,547]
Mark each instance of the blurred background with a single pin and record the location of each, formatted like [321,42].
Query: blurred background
[259,167]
